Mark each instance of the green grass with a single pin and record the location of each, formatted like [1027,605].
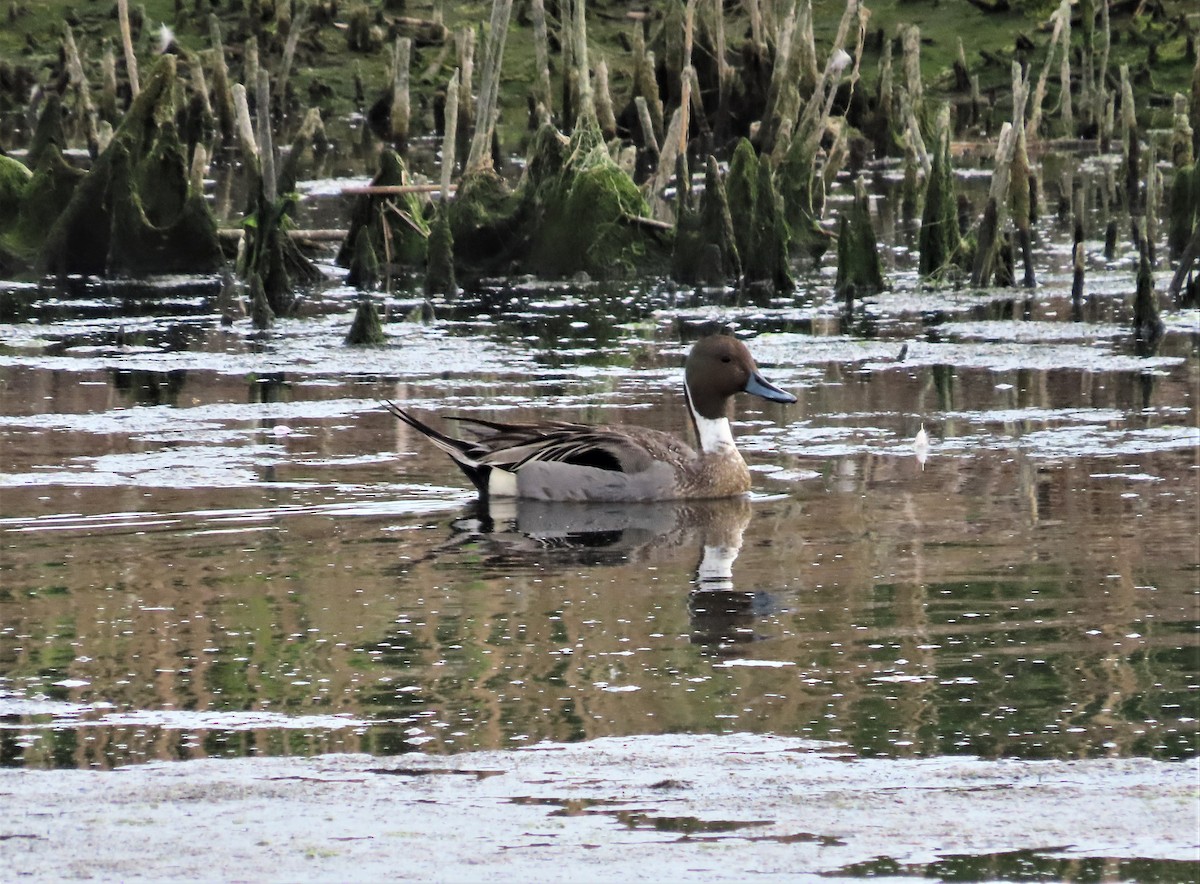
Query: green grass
[32,38]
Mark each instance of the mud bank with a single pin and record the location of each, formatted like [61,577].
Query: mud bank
[704,808]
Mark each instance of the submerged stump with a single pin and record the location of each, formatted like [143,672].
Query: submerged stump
[366,330]
[1147,324]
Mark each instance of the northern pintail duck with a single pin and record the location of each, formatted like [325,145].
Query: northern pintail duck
[557,460]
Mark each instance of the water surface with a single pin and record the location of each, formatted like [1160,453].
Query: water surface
[217,543]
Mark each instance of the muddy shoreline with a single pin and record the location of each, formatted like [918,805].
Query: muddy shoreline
[702,808]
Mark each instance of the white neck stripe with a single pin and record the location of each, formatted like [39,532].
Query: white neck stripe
[715,435]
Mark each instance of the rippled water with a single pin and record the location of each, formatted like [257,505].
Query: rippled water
[217,543]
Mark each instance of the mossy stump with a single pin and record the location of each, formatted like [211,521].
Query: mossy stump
[439,262]
[136,211]
[706,250]
[1147,324]
[366,330]
[859,269]
[484,224]
[940,241]
[759,227]
[1184,209]
[364,265]
[261,314]
[584,218]
[801,193]
[395,223]
[18,238]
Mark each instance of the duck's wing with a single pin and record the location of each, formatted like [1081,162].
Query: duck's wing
[619,449]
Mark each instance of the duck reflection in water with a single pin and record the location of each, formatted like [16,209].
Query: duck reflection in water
[555,535]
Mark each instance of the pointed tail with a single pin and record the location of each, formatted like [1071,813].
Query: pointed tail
[460,451]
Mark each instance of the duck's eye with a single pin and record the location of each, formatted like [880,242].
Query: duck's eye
[727,359]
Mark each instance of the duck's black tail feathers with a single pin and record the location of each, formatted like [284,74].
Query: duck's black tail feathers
[462,452]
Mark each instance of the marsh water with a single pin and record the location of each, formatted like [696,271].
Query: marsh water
[217,543]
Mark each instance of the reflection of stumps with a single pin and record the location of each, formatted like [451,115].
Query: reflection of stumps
[366,330]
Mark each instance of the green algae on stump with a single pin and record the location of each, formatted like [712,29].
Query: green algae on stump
[859,269]
[758,223]
[394,223]
[1184,209]
[482,223]
[136,211]
[366,330]
[940,241]
[364,265]
[583,216]
[705,243]
[439,262]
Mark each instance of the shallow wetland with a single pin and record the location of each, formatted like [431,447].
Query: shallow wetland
[952,633]
[217,544]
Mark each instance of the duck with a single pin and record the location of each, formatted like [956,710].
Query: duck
[564,461]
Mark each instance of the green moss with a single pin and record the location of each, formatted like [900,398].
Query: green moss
[439,268]
[1184,209]
[364,265]
[14,184]
[940,241]
[859,270]
[366,330]
[756,212]
[395,223]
